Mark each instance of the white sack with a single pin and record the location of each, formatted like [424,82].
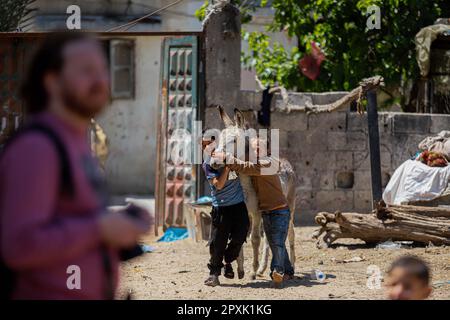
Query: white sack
[415,181]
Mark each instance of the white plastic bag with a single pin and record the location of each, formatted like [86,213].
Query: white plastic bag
[415,181]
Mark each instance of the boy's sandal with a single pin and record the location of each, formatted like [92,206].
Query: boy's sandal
[228,271]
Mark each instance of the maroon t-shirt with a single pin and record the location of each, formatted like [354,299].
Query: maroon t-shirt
[43,232]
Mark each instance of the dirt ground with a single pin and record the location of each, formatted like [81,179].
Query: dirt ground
[177,270]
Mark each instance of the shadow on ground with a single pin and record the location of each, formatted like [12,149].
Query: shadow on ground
[299,281]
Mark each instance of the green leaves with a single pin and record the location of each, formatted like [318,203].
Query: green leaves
[247,8]
[271,61]
[200,13]
[352,51]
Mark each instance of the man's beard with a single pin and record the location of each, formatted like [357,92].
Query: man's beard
[81,107]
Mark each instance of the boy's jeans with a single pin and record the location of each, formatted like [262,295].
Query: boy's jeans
[276,224]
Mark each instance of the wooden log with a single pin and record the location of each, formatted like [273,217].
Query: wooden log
[403,223]
[422,210]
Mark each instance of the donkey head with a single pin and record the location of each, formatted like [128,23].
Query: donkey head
[234,138]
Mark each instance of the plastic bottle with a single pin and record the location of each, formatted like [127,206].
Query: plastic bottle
[318,275]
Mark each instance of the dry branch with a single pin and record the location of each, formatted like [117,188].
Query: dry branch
[402,223]
[356,94]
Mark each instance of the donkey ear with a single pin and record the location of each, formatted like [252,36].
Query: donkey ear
[225,118]
[240,119]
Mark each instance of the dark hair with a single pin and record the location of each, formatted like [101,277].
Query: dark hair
[47,58]
[414,266]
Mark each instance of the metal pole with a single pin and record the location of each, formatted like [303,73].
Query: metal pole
[374,147]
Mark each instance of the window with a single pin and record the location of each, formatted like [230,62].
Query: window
[121,58]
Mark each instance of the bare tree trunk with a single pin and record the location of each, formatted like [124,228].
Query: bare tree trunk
[402,223]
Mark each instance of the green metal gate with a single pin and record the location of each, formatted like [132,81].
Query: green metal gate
[176,172]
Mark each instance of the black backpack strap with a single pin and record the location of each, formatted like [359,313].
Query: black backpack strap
[65,179]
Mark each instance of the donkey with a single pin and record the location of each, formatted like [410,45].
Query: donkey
[235,131]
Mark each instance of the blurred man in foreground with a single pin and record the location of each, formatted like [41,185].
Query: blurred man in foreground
[57,239]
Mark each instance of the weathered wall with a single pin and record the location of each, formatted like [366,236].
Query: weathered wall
[131,124]
[330,150]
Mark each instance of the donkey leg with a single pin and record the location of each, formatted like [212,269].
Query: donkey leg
[240,264]
[291,238]
[256,241]
[264,258]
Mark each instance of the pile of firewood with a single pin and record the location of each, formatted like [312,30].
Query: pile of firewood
[397,223]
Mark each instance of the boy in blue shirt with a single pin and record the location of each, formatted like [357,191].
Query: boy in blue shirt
[229,217]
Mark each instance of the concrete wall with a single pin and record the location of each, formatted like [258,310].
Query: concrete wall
[330,150]
[131,125]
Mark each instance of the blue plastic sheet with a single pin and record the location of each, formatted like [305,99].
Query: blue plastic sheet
[174,234]
[203,200]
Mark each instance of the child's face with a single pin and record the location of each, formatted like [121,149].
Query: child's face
[402,285]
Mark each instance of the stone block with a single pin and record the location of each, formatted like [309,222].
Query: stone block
[344,161]
[305,200]
[385,158]
[334,121]
[404,146]
[357,141]
[363,201]
[439,122]
[327,97]
[363,180]
[361,160]
[347,141]
[299,99]
[326,180]
[411,123]
[284,142]
[332,200]
[357,122]
[312,141]
[385,120]
[247,100]
[304,182]
[294,121]
[296,140]
[337,141]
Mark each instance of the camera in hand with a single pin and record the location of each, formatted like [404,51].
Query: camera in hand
[127,254]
